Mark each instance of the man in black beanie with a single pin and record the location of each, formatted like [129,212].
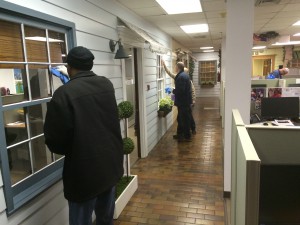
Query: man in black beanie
[82,124]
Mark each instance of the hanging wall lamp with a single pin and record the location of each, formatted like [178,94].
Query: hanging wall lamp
[121,54]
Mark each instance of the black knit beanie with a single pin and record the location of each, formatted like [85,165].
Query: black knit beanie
[80,58]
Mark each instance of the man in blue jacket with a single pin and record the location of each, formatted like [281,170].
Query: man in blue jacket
[183,101]
[277,74]
[82,124]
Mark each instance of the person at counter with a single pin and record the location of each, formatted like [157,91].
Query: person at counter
[82,123]
[277,74]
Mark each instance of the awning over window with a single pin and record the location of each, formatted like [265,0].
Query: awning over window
[137,37]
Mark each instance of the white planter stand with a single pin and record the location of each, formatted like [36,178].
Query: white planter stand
[124,198]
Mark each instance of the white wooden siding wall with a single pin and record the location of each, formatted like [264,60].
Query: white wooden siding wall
[156,126]
[200,91]
[95,23]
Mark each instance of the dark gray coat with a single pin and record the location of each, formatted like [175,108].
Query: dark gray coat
[82,124]
[182,90]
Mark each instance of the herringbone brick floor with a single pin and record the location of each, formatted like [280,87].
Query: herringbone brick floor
[182,183]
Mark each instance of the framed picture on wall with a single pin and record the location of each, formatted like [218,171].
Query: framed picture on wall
[274,92]
[17,74]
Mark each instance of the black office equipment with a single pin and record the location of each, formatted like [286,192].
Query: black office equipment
[294,85]
[280,108]
[254,118]
[258,85]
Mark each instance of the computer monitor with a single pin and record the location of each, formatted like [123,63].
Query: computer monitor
[258,85]
[280,108]
[294,85]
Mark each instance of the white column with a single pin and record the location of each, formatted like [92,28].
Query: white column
[238,57]
[223,75]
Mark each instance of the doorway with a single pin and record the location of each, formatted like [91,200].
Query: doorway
[131,84]
[262,65]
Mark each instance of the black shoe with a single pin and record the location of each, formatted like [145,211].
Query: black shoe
[184,140]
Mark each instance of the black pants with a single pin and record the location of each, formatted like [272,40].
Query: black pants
[184,122]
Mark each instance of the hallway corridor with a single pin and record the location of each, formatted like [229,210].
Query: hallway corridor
[182,183]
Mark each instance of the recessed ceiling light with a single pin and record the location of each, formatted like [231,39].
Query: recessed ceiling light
[206,47]
[297,23]
[197,28]
[180,6]
[259,47]
[288,43]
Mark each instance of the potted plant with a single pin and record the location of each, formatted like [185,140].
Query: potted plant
[165,106]
[128,184]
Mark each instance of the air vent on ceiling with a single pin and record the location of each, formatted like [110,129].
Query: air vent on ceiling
[266,2]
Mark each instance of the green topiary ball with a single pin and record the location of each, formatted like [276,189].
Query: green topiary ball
[128,145]
[125,109]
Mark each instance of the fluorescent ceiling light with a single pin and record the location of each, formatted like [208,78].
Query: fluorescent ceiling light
[258,47]
[297,23]
[287,43]
[180,6]
[206,47]
[197,28]
[37,38]
[296,35]
[208,50]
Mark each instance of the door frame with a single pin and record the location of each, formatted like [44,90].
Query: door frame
[139,100]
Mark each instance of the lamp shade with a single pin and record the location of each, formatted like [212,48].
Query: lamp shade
[121,54]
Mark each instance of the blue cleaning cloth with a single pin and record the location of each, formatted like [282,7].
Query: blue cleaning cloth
[168,90]
[64,78]
[270,76]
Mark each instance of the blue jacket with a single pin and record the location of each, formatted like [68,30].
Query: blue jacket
[182,90]
[275,74]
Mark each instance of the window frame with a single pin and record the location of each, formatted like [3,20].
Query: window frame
[160,79]
[21,193]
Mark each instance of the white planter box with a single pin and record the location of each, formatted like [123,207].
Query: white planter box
[124,198]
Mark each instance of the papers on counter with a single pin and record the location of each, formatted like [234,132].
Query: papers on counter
[282,123]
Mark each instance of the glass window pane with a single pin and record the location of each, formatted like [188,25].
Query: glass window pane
[40,154]
[19,162]
[36,45]
[57,45]
[15,126]
[11,48]
[36,114]
[39,81]
[56,82]
[13,84]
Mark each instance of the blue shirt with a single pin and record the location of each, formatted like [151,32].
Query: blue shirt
[275,74]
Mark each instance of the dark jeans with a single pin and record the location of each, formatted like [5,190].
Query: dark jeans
[184,122]
[103,205]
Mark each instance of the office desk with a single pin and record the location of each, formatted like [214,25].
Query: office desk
[272,124]
[278,148]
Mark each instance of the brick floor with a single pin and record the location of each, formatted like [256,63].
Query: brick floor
[182,183]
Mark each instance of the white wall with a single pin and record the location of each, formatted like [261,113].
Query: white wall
[95,23]
[156,126]
[8,80]
[240,14]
